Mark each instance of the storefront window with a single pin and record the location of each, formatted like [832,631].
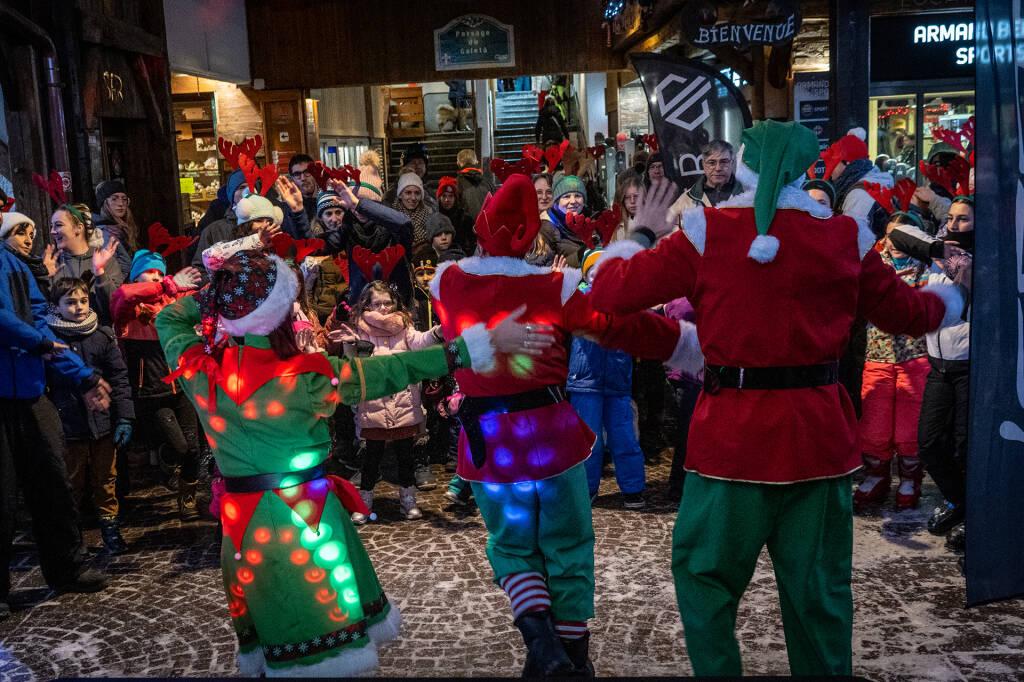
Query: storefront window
[950,110]
[893,130]
[633,110]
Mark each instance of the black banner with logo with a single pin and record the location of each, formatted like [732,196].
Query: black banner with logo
[690,105]
[995,467]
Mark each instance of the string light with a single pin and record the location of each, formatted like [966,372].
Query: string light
[613,8]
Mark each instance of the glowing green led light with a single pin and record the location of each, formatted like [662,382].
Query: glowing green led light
[521,365]
[303,460]
[310,539]
[350,596]
[328,553]
[341,574]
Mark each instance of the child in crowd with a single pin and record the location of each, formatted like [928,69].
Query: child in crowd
[440,232]
[92,436]
[600,386]
[380,318]
[161,405]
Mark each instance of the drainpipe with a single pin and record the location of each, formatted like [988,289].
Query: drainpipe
[58,141]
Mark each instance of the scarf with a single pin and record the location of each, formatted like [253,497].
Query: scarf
[855,171]
[418,218]
[369,234]
[65,328]
[373,323]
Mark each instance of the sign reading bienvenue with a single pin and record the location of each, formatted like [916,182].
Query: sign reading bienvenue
[474,41]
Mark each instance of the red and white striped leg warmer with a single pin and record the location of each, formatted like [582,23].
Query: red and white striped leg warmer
[571,629]
[527,592]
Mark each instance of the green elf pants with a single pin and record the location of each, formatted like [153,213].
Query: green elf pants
[544,526]
[808,528]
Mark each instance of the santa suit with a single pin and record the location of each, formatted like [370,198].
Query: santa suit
[773,464]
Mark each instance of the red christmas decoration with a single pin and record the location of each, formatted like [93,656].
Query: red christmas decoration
[163,242]
[651,141]
[253,174]
[367,261]
[250,146]
[53,186]
[603,226]
[285,246]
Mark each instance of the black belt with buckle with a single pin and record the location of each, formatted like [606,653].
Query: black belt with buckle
[472,409]
[253,484]
[717,377]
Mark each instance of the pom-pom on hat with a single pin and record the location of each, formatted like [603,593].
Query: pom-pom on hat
[850,147]
[144,260]
[508,221]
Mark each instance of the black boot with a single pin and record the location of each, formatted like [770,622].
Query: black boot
[188,508]
[945,517]
[545,655]
[111,532]
[956,541]
[578,651]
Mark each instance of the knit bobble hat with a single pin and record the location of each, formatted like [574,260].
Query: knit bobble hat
[438,223]
[254,206]
[822,185]
[108,188]
[325,200]
[12,220]
[568,184]
[144,260]
[407,180]
[590,259]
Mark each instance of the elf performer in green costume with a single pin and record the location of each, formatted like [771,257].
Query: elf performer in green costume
[303,597]
[776,284]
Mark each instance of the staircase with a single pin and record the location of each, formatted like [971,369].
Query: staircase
[514,121]
[442,147]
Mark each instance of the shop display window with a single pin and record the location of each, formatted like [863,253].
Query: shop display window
[893,130]
[950,110]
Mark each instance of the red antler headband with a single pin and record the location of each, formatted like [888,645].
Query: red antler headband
[651,141]
[250,146]
[602,226]
[324,174]
[53,186]
[161,241]
[8,205]
[368,261]
[286,246]
[253,173]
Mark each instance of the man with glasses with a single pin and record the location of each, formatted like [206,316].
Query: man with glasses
[298,171]
[719,182]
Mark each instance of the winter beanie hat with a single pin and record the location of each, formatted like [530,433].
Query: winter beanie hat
[447,182]
[254,206]
[824,186]
[325,200]
[12,220]
[508,221]
[144,260]
[416,151]
[780,154]
[409,179]
[438,223]
[235,180]
[590,258]
[850,147]
[108,188]
[567,184]
[251,293]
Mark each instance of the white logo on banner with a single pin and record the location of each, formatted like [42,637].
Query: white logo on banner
[685,99]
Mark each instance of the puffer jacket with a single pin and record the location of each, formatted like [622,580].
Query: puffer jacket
[103,286]
[401,409]
[135,306]
[99,351]
[593,369]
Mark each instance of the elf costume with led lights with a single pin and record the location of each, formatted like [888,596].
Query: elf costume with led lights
[522,445]
[303,596]
[775,283]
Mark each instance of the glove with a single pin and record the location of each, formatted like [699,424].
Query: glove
[122,432]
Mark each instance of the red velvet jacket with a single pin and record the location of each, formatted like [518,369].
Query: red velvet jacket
[540,443]
[794,310]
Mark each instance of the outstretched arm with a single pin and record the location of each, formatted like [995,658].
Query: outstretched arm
[175,326]
[888,303]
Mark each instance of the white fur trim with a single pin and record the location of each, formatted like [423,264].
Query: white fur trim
[388,629]
[276,307]
[215,255]
[251,664]
[764,248]
[952,298]
[791,196]
[500,265]
[858,132]
[481,348]
[98,238]
[435,284]
[865,237]
[12,220]
[571,278]
[746,176]
[687,356]
[346,663]
[695,225]
[624,249]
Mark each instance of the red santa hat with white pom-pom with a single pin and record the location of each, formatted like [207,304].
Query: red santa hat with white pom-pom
[850,147]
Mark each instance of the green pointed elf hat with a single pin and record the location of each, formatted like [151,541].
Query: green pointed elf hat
[780,154]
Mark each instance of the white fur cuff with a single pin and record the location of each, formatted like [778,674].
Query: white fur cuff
[252,663]
[624,248]
[695,225]
[764,248]
[952,298]
[571,278]
[349,662]
[481,348]
[687,356]
[388,629]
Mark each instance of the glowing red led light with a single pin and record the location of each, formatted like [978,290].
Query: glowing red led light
[245,575]
[218,423]
[300,557]
[275,409]
[254,556]
[315,575]
[262,535]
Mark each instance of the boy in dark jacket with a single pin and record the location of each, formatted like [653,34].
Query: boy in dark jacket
[600,386]
[92,436]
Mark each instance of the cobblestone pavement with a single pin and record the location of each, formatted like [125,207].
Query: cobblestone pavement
[165,615]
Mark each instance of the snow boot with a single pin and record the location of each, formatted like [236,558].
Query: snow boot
[188,508]
[407,499]
[578,651]
[545,653]
[360,519]
[877,479]
[909,492]
[945,517]
[111,533]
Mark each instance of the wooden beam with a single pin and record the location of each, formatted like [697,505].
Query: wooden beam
[108,31]
[665,12]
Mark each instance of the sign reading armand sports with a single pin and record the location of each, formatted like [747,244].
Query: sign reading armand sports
[922,47]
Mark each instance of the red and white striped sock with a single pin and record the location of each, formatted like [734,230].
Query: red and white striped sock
[571,629]
[527,592]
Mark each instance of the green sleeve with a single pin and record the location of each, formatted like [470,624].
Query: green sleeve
[375,377]
[176,327]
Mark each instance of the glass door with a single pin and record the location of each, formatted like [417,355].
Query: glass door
[950,110]
[893,132]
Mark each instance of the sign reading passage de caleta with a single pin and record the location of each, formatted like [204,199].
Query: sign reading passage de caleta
[474,41]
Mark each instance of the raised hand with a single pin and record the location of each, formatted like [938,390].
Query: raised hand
[511,336]
[50,260]
[102,256]
[652,211]
[188,278]
[289,193]
[267,234]
[559,263]
[347,197]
